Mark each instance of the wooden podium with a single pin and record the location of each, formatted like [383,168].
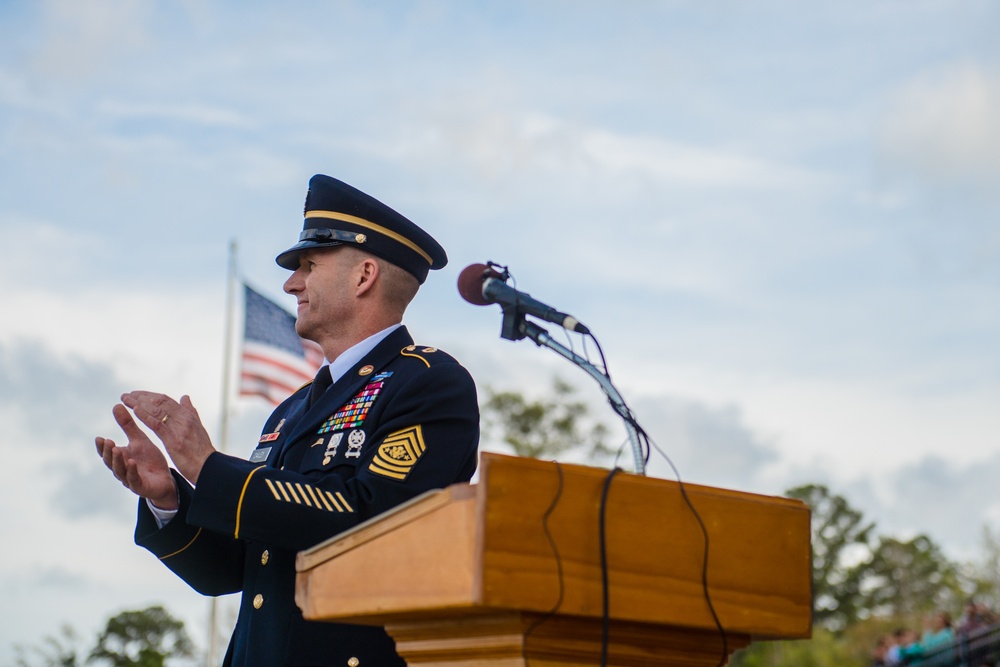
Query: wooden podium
[467,575]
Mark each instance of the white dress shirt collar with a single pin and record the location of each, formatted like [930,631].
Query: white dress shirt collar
[356,353]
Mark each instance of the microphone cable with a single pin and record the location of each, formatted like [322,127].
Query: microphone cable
[645,445]
[704,533]
[605,597]
[559,571]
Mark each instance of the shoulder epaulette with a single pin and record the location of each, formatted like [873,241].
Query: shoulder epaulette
[428,355]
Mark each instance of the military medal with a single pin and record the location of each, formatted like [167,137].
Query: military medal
[353,414]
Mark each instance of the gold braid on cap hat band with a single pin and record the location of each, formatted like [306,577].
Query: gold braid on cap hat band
[367,224]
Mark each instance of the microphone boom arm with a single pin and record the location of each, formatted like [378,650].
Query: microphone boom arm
[542,338]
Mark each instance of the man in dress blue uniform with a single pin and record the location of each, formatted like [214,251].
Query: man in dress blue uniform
[384,422]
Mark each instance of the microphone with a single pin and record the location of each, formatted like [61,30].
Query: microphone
[481,285]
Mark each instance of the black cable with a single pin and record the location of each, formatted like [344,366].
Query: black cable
[704,562]
[625,412]
[600,351]
[646,444]
[605,613]
[559,571]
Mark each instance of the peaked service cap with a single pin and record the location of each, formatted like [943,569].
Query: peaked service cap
[338,214]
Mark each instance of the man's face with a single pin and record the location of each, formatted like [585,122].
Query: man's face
[323,286]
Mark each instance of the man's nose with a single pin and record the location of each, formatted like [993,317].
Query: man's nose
[293,284]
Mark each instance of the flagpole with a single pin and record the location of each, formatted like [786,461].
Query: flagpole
[227,360]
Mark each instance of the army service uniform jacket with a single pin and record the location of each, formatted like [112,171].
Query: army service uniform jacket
[403,420]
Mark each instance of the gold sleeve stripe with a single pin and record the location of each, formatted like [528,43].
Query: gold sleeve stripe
[342,500]
[332,500]
[385,465]
[302,492]
[239,504]
[368,224]
[374,467]
[320,498]
[415,356]
[309,495]
[183,547]
[315,499]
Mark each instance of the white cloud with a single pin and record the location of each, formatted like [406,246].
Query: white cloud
[936,495]
[708,444]
[943,127]
[80,39]
[530,146]
[194,113]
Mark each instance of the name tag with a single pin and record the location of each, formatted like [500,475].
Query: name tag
[260,454]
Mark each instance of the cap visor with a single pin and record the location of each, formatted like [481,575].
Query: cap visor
[289,259]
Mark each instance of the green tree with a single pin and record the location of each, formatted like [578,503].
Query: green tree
[864,586]
[841,548]
[544,428]
[906,579]
[984,573]
[825,649]
[143,638]
[55,651]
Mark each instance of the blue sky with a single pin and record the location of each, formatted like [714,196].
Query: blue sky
[779,219]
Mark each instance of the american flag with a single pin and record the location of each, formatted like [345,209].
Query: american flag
[276,361]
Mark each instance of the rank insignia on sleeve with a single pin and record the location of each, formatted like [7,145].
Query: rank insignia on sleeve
[353,413]
[398,453]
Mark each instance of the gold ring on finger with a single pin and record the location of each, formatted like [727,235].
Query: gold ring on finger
[165,418]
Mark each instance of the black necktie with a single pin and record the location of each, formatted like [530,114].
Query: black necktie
[319,385]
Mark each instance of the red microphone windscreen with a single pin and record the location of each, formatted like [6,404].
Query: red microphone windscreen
[470,283]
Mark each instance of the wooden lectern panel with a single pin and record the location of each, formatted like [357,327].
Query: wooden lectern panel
[467,577]
[479,549]
[759,569]
[418,560]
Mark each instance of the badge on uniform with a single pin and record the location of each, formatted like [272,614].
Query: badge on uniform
[353,414]
[331,448]
[260,454]
[354,442]
[398,453]
[271,437]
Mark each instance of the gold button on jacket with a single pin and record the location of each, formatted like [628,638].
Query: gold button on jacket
[258,601]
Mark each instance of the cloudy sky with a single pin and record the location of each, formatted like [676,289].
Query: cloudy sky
[780,219]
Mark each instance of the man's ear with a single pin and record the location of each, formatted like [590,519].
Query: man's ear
[367,274]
